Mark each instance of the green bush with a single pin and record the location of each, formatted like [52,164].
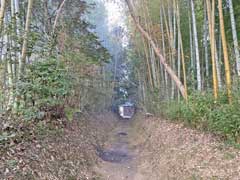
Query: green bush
[204,113]
[45,84]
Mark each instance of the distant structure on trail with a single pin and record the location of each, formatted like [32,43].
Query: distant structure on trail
[126,110]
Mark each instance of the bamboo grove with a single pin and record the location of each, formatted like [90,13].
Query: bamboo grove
[188,45]
[187,60]
[42,42]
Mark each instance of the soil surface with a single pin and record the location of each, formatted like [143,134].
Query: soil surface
[149,148]
[119,154]
[105,147]
[59,154]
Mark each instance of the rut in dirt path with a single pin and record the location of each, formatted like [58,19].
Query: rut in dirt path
[119,154]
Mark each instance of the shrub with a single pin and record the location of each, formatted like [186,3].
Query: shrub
[45,84]
[204,113]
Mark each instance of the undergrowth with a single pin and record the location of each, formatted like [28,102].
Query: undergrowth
[43,88]
[204,113]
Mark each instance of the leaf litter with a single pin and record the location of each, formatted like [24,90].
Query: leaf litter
[61,152]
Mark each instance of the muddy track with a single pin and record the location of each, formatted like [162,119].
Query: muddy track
[119,154]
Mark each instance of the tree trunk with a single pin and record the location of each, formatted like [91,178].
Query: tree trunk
[157,51]
[225,52]
[148,64]
[57,16]
[182,58]
[235,38]
[10,76]
[22,61]
[218,66]
[195,34]
[172,45]
[153,59]
[163,51]
[2,11]
[211,23]
[192,55]
[205,43]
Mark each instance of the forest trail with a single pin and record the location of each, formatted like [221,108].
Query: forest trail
[104,147]
[150,148]
[119,154]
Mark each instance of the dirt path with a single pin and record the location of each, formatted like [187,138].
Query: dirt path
[149,148]
[104,147]
[119,155]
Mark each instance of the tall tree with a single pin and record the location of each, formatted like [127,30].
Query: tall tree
[22,61]
[206,45]
[2,11]
[58,15]
[181,49]
[157,51]
[225,52]
[211,24]
[235,37]
[195,34]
